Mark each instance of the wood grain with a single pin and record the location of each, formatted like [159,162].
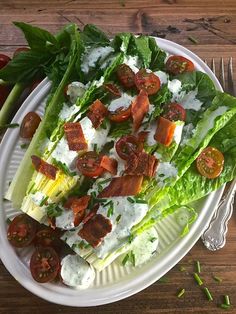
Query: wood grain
[213,24]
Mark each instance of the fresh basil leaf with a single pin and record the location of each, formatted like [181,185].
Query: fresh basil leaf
[38,39]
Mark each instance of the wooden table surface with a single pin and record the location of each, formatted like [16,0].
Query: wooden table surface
[213,24]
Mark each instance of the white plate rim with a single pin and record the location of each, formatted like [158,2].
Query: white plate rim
[104,295]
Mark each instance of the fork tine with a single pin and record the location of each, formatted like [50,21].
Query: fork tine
[222,74]
[231,87]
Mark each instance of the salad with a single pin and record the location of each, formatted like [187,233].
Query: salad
[130,135]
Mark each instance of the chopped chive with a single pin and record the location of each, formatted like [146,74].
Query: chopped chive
[163,279]
[95,147]
[118,218]
[132,257]
[105,181]
[131,237]
[216,278]
[10,125]
[140,201]
[4,200]
[227,301]
[198,279]
[208,294]
[193,40]
[130,200]
[9,183]
[181,293]
[125,259]
[100,200]
[25,145]
[182,268]
[110,210]
[87,246]
[8,221]
[198,266]
[153,239]
[43,201]
[58,193]
[225,306]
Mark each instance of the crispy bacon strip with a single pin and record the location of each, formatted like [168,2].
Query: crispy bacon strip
[95,229]
[109,164]
[142,164]
[123,186]
[78,205]
[97,113]
[75,136]
[139,108]
[43,167]
[165,131]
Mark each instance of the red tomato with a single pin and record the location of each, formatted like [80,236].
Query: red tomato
[47,237]
[147,81]
[121,114]
[125,75]
[174,112]
[89,164]
[19,50]
[44,264]
[21,231]
[4,60]
[113,89]
[4,92]
[126,145]
[29,125]
[178,64]
[210,162]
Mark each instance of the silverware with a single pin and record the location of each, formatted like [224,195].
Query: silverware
[214,237]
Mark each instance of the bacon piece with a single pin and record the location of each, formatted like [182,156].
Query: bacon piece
[95,229]
[139,108]
[123,186]
[78,205]
[43,167]
[142,164]
[142,136]
[75,136]
[109,164]
[165,131]
[97,113]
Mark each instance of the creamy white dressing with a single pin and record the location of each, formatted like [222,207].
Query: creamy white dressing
[99,82]
[189,101]
[94,56]
[163,76]
[174,87]
[67,112]
[130,214]
[76,90]
[124,101]
[63,154]
[38,197]
[178,131]
[92,135]
[132,62]
[66,220]
[165,171]
[107,62]
[188,131]
[76,272]
[151,132]
[143,247]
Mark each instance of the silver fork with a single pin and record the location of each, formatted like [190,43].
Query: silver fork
[214,237]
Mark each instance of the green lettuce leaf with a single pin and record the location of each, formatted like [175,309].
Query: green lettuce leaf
[158,56]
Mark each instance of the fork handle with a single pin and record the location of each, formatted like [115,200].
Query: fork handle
[214,237]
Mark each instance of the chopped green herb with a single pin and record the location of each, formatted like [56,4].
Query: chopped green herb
[10,126]
[193,40]
[53,210]
[182,268]
[105,181]
[163,279]
[87,246]
[104,124]
[131,200]
[216,278]
[208,294]
[118,218]
[131,238]
[225,306]
[8,221]
[198,267]
[64,168]
[58,193]
[132,258]
[198,279]
[138,201]
[125,259]
[4,200]
[25,145]
[153,239]
[9,183]
[110,210]
[43,201]
[181,293]
[95,147]
[227,301]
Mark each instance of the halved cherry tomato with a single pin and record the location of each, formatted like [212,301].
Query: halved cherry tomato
[178,64]
[47,237]
[125,75]
[89,164]
[126,145]
[4,92]
[44,264]
[4,60]
[121,114]
[113,89]
[19,50]
[147,81]
[29,125]
[174,112]
[210,162]
[21,231]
